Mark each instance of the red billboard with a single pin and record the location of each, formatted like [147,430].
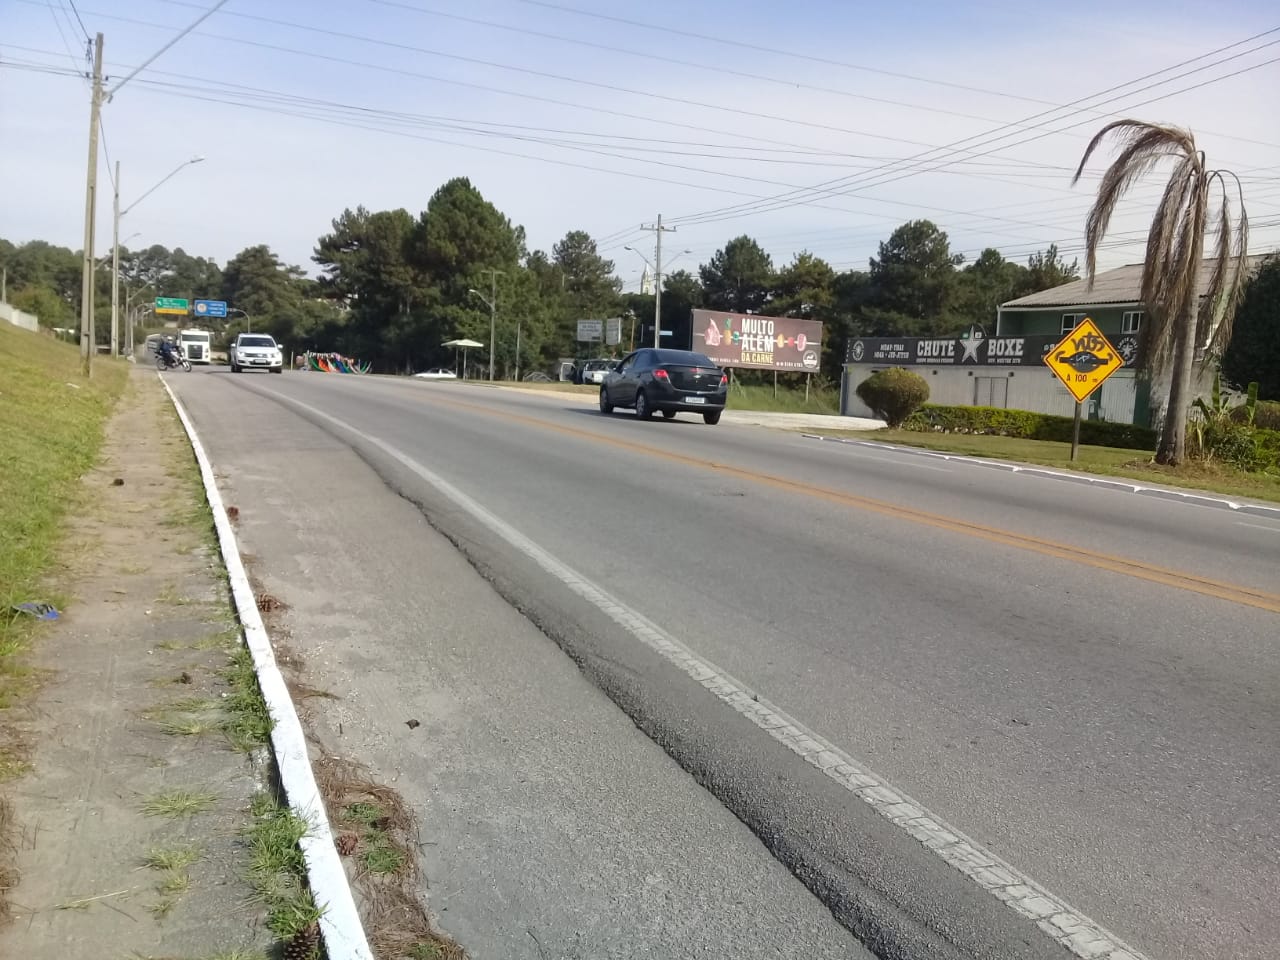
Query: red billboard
[748,341]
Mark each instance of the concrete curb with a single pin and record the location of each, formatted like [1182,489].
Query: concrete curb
[1190,496]
[343,931]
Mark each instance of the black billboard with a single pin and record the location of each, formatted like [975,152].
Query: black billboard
[972,351]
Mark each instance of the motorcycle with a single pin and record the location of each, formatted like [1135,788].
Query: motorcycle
[172,362]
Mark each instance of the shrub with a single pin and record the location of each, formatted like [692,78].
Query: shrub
[1266,414]
[894,394]
[1029,425]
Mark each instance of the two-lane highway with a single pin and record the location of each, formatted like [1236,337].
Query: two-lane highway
[1083,681]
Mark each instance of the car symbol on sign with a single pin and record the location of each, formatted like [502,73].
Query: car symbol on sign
[1083,361]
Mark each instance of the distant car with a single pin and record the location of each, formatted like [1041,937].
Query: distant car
[666,381]
[436,373]
[593,371]
[255,351]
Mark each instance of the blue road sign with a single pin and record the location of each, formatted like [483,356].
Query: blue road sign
[211,308]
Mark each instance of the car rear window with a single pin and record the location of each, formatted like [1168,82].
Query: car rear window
[685,357]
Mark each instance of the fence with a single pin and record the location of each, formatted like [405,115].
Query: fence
[27,321]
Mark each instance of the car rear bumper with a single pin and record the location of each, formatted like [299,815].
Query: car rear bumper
[672,399]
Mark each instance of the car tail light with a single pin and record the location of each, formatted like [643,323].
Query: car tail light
[724,378]
[661,375]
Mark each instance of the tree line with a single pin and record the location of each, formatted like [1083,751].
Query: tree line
[392,286]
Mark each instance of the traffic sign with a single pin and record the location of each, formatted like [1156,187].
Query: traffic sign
[590,330]
[172,305]
[613,331]
[211,308]
[1083,360]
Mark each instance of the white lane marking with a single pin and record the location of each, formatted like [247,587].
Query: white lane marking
[1259,526]
[344,936]
[904,463]
[1067,926]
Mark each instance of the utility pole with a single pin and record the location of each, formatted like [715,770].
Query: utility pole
[115,266]
[87,346]
[658,230]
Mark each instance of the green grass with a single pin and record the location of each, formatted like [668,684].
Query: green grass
[380,855]
[178,802]
[277,870]
[1108,461]
[365,814]
[52,420]
[172,858]
[248,723]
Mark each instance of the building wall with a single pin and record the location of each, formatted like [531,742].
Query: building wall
[1023,389]
[1048,323]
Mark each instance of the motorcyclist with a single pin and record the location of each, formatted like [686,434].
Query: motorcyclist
[168,351]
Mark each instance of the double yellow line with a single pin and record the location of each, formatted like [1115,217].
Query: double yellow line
[1233,593]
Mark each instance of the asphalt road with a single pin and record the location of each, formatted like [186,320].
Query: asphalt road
[1082,681]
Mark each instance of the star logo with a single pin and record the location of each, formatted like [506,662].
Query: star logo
[1128,350]
[970,348]
[858,350]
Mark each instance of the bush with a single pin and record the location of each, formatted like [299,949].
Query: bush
[1266,414]
[1028,425]
[1266,445]
[894,394]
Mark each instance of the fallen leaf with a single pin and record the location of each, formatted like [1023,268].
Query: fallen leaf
[412,724]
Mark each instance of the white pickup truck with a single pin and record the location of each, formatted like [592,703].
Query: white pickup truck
[258,351]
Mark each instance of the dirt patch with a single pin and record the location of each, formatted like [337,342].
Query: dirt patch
[127,828]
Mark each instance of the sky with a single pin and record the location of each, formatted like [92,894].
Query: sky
[811,125]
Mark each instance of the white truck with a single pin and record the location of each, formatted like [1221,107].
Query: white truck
[255,351]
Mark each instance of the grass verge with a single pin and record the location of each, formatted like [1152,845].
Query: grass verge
[1108,461]
[52,419]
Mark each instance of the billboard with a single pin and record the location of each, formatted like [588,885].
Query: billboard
[751,342]
[976,351]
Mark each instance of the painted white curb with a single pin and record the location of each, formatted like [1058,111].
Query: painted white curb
[344,936]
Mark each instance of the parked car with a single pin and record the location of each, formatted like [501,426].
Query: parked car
[592,371]
[436,373]
[666,381]
[255,351]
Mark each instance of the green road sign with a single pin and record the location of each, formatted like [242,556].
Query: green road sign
[172,305]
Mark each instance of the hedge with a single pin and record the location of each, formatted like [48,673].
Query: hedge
[1029,425]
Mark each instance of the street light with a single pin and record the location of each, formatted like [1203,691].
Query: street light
[492,303]
[115,243]
[248,322]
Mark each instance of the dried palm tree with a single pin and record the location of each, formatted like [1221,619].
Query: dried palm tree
[1179,323]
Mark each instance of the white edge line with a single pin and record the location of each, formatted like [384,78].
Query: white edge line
[344,936]
[1162,493]
[1065,925]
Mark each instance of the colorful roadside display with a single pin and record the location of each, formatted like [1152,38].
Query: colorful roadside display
[333,363]
[749,342]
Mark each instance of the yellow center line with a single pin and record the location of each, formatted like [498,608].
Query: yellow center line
[1234,593]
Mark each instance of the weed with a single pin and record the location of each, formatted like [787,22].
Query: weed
[248,721]
[162,907]
[425,951]
[179,802]
[175,882]
[172,858]
[277,869]
[380,855]
[365,814]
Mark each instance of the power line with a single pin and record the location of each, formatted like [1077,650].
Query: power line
[828,188]
[648,95]
[83,28]
[159,53]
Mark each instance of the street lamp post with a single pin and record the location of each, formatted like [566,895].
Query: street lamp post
[248,321]
[492,302]
[115,243]
[657,283]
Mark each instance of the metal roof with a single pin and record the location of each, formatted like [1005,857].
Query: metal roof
[1122,285]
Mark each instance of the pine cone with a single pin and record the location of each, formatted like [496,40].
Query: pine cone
[305,944]
[347,843]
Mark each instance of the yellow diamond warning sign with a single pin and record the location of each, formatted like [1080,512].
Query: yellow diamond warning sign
[1084,359]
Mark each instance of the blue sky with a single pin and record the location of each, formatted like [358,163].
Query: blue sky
[567,120]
